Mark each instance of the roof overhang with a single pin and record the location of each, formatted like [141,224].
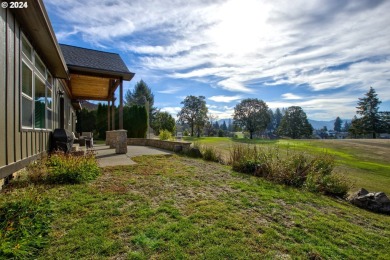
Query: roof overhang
[36,25]
[94,84]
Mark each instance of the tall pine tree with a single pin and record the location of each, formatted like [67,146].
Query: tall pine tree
[370,121]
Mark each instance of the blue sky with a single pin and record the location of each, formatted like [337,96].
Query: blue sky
[320,55]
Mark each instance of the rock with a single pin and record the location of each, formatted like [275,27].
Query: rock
[373,201]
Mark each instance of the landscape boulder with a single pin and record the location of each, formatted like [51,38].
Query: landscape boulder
[373,201]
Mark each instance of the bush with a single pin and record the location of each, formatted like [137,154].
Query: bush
[61,168]
[293,169]
[165,135]
[210,153]
[24,226]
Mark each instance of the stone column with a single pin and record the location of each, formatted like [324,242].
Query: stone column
[121,141]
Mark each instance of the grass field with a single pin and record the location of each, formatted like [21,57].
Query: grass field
[365,162]
[174,207]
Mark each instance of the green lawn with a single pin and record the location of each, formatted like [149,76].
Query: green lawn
[366,163]
[173,207]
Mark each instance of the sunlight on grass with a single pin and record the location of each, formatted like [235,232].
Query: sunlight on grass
[354,158]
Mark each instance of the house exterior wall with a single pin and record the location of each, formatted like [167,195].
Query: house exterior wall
[18,145]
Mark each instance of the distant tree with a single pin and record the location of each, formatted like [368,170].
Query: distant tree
[385,118]
[368,109]
[356,127]
[194,113]
[337,124]
[163,121]
[230,126]
[324,132]
[346,126]
[252,114]
[295,124]
[216,125]
[271,124]
[224,126]
[277,118]
[209,126]
[142,96]
[135,121]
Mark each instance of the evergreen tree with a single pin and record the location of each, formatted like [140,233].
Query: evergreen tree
[346,126]
[277,118]
[142,96]
[271,124]
[101,120]
[224,126]
[337,124]
[368,109]
[135,121]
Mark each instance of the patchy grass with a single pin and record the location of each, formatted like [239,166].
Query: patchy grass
[365,162]
[169,207]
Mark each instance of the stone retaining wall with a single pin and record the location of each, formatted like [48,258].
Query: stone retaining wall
[167,145]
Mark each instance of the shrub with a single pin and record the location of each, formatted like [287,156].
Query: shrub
[165,135]
[293,169]
[24,226]
[210,153]
[244,158]
[61,168]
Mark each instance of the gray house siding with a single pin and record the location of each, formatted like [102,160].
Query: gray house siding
[19,146]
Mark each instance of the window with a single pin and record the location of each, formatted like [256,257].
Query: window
[37,90]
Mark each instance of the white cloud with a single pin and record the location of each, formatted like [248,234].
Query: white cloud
[290,96]
[171,110]
[334,46]
[225,99]
[170,90]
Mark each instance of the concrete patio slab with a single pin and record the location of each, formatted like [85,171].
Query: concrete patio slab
[108,157]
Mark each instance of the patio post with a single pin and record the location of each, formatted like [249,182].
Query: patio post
[108,115]
[113,112]
[121,105]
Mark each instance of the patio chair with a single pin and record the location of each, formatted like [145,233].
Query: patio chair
[88,139]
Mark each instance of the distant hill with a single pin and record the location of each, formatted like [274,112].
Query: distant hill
[329,124]
[315,123]
[88,105]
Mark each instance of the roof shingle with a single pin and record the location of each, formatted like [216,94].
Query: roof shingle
[93,59]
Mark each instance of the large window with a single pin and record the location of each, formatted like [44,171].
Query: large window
[37,90]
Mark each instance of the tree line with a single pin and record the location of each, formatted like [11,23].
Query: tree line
[251,115]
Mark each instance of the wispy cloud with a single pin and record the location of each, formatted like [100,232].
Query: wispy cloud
[225,99]
[290,96]
[170,90]
[324,46]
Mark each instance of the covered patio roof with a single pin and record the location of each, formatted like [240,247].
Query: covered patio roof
[94,75]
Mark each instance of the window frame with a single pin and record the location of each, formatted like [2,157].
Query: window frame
[30,63]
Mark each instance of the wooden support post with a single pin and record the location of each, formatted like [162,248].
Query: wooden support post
[113,113]
[108,115]
[121,105]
